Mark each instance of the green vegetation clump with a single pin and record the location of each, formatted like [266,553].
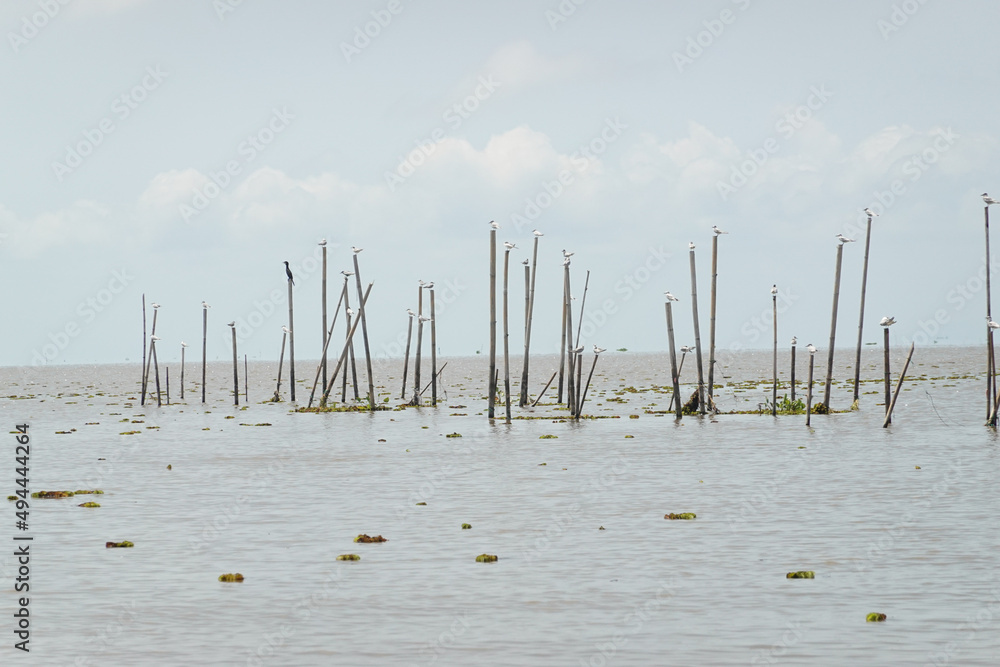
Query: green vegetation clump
[547,437]
[802,574]
[487,558]
[466,526]
[454,435]
[52,494]
[231,577]
[88,505]
[348,557]
[820,409]
[84,492]
[683,516]
[118,545]
[365,539]
[875,617]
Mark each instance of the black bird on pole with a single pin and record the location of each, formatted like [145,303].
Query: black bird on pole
[288,272]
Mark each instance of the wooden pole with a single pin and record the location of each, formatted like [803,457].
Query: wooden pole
[343,354]
[991,355]
[583,304]
[364,337]
[570,355]
[545,388]
[156,365]
[149,362]
[236,374]
[142,388]
[433,379]
[527,326]
[774,359]
[183,348]
[586,387]
[680,369]
[325,334]
[711,322]
[809,389]
[246,381]
[204,349]
[861,315]
[281,362]
[406,359]
[346,297]
[523,399]
[793,372]
[888,394]
[562,343]
[434,386]
[674,371]
[291,343]
[578,363]
[493,323]
[833,326]
[420,345]
[990,358]
[697,336]
[899,385]
[167,369]
[327,337]
[506,336]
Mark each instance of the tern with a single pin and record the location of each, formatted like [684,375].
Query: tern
[183,344]
[155,305]
[870,213]
[598,350]
[154,337]
[844,239]
[204,304]
[578,350]
[690,245]
[718,231]
[525,262]
[424,318]
[429,285]
[567,254]
[989,200]
[288,272]
[670,297]
[347,274]
[794,340]
[410,313]
[509,245]
[811,348]
[356,250]
[774,288]
[232,324]
[686,348]
[350,312]
[322,242]
[887,321]
[494,224]
[286,330]
[537,233]
[991,324]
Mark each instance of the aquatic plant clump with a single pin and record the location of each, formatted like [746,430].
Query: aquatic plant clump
[348,557]
[802,574]
[237,577]
[466,526]
[88,505]
[487,558]
[52,494]
[365,539]
[85,492]
[683,516]
[118,545]
[875,617]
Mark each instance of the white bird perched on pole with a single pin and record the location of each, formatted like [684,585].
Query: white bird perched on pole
[887,321]
[204,304]
[322,242]
[718,231]
[795,340]
[356,250]
[670,297]
[991,324]
[537,233]
[774,288]
[811,348]
[183,344]
[350,312]
[424,318]
[154,337]
[347,274]
[989,200]
[598,350]
[578,350]
[429,285]
[410,313]
[567,254]
[870,213]
[232,324]
[286,329]
[494,224]
[155,305]
[843,239]
[690,245]
[509,245]
[686,348]
[525,262]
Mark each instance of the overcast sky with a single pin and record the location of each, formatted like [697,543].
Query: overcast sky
[186,149]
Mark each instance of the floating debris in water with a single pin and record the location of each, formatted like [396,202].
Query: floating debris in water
[421,503]
[916,467]
[365,539]
[84,492]
[802,574]
[875,617]
[601,528]
[52,494]
[454,435]
[486,558]
[466,526]
[11,497]
[547,437]
[118,545]
[90,504]
[237,577]
[169,467]
[348,557]
[684,516]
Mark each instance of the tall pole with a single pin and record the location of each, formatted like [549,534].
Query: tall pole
[711,322]
[861,315]
[246,380]
[434,379]
[990,361]
[354,367]
[406,359]
[493,322]
[323,243]
[420,345]
[236,371]
[506,335]
[833,326]
[204,347]
[156,366]
[774,385]
[809,389]
[523,399]
[291,342]
[562,344]
[583,304]
[885,347]
[793,370]
[343,354]
[570,355]
[364,336]
[183,347]
[144,342]
[697,334]
[281,361]
[899,385]
[149,361]
[527,326]
[674,373]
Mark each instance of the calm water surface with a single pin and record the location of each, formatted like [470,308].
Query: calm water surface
[278,503]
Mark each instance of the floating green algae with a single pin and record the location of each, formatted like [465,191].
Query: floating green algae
[683,516]
[802,574]
[237,577]
[487,558]
[348,557]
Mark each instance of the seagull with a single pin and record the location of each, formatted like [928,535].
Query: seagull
[410,313]
[183,344]
[429,285]
[598,350]
[670,297]
[794,340]
[204,304]
[286,330]
[578,350]
[347,274]
[288,272]
[232,324]
[537,233]
[991,324]
[154,338]
[844,239]
[774,289]
[494,224]
[811,348]
[887,321]
[356,249]
[155,305]
[322,242]
[718,231]
[989,200]
[350,312]
[424,318]
[509,245]
[567,254]
[870,213]
[686,348]
[525,262]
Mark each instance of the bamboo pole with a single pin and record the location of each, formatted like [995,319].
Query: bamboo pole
[586,387]
[156,365]
[291,341]
[674,371]
[406,359]
[433,379]
[149,361]
[493,323]
[562,343]
[861,314]
[711,322]
[570,355]
[899,385]
[523,399]
[990,355]
[545,388]
[204,346]
[774,376]
[888,394]
[680,369]
[527,326]
[281,362]
[506,336]
[236,374]
[142,387]
[246,381]
[697,334]
[343,354]
[578,364]
[364,337]
[793,370]
[167,370]
[583,304]
[434,373]
[833,326]
[346,297]
[183,348]
[324,304]
[809,389]
[327,337]
[420,344]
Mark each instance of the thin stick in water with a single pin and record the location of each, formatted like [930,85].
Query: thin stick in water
[899,385]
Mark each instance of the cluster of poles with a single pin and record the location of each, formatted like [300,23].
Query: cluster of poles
[345,361]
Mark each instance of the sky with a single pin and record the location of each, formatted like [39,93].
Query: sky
[183,150]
